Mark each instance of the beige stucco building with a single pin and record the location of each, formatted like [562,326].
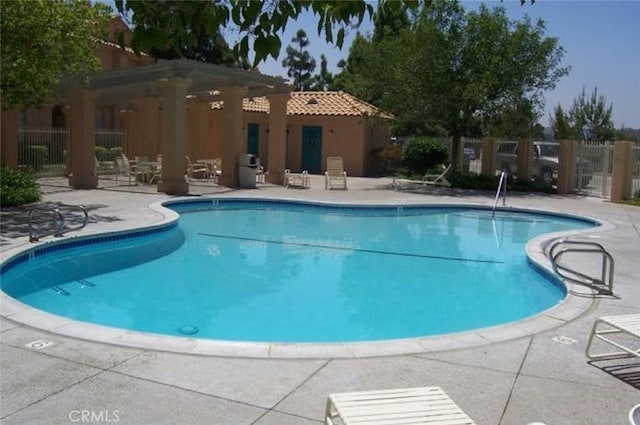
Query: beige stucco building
[184,108]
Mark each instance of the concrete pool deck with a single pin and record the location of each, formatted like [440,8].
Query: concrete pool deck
[540,376]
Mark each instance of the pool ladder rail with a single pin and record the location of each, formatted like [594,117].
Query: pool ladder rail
[603,285]
[502,186]
[57,220]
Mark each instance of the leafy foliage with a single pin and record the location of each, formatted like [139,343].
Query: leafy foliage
[200,45]
[299,62]
[390,157]
[260,22]
[589,118]
[17,187]
[481,182]
[157,26]
[451,67]
[420,155]
[519,120]
[562,129]
[353,76]
[43,41]
[324,79]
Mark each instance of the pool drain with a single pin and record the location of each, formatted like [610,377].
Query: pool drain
[188,330]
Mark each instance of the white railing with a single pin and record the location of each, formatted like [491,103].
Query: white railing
[594,168]
[635,173]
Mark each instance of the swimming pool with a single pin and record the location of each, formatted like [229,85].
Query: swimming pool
[284,271]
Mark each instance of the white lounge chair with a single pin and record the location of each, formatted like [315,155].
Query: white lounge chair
[296,179]
[335,176]
[625,327]
[437,179]
[423,405]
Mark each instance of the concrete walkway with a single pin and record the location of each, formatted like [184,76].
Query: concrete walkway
[542,376]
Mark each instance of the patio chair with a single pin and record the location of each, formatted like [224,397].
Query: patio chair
[216,170]
[296,179]
[437,179]
[423,405]
[124,168]
[335,176]
[260,174]
[626,329]
[156,168]
[197,170]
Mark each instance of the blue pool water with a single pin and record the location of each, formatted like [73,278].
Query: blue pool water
[298,272]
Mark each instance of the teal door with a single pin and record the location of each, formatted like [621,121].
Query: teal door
[312,149]
[253,138]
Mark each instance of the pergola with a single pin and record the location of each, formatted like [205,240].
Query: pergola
[172,82]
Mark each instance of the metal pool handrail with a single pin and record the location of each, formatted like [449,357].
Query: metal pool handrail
[604,284]
[501,185]
[57,220]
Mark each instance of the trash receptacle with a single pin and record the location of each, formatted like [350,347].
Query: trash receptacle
[247,168]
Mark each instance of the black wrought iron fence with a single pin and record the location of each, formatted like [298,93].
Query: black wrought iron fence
[44,151]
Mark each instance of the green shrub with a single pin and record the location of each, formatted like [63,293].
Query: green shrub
[33,156]
[479,182]
[17,187]
[115,153]
[389,158]
[419,155]
[102,153]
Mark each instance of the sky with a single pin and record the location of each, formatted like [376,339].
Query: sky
[601,41]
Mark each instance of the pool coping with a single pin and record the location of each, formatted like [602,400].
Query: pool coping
[577,302]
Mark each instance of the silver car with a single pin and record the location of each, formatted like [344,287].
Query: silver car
[544,166]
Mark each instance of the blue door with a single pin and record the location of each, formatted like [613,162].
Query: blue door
[253,138]
[312,149]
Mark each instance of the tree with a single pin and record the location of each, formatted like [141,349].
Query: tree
[259,21]
[591,117]
[203,46]
[43,41]
[389,19]
[352,77]
[324,80]
[516,121]
[156,26]
[452,67]
[562,129]
[300,63]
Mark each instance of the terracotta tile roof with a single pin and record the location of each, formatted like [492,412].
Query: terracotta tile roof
[314,103]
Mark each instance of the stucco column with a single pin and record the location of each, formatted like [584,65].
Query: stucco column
[566,166]
[621,181]
[524,159]
[233,140]
[488,157]
[198,129]
[174,93]
[9,145]
[277,138]
[145,138]
[130,128]
[82,143]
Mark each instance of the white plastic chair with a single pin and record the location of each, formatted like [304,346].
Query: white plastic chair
[335,176]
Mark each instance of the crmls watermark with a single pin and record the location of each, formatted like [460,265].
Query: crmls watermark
[93,416]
